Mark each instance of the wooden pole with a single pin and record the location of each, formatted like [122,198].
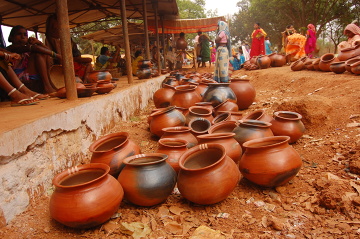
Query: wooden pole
[163,38]
[66,49]
[157,36]
[126,40]
[147,41]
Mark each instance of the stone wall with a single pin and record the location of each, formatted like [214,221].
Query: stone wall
[31,155]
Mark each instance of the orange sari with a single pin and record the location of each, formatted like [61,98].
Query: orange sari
[295,46]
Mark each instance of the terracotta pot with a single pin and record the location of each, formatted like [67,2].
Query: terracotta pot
[85,196]
[232,147]
[207,105]
[144,64]
[199,126]
[185,96]
[111,149]
[287,123]
[215,174]
[234,115]
[355,68]
[326,60]
[309,65]
[348,53]
[225,116]
[251,129]
[297,65]
[253,59]
[349,62]
[258,115]
[338,67]
[203,84]
[173,148]
[187,81]
[270,162]
[104,84]
[227,105]
[147,179]
[170,80]
[244,91]
[168,117]
[198,112]
[180,132]
[316,64]
[217,93]
[95,76]
[181,44]
[143,73]
[277,60]
[263,62]
[163,96]
[222,127]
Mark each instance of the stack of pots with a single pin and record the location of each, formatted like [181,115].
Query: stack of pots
[144,69]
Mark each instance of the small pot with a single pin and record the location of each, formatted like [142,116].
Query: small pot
[355,68]
[258,115]
[199,126]
[297,65]
[223,127]
[349,62]
[326,60]
[338,67]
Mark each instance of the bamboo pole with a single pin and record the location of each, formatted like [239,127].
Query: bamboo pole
[126,40]
[157,36]
[147,41]
[66,50]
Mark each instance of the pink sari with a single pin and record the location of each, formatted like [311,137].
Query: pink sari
[310,45]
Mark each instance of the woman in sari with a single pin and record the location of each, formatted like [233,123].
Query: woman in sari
[310,45]
[204,42]
[294,45]
[352,31]
[223,50]
[258,41]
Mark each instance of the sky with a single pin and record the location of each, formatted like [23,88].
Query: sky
[227,6]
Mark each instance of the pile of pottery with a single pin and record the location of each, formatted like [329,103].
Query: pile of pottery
[144,69]
[265,61]
[330,63]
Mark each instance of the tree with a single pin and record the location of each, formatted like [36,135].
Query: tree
[191,9]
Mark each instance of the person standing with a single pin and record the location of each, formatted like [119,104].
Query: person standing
[268,50]
[310,44]
[204,42]
[258,41]
[223,50]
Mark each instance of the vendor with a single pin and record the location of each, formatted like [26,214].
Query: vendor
[105,60]
[138,57]
[353,33]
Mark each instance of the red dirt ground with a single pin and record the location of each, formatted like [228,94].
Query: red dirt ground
[321,202]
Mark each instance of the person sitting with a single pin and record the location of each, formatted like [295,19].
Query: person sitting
[138,57]
[31,67]
[353,33]
[82,65]
[105,60]
[9,82]
[294,44]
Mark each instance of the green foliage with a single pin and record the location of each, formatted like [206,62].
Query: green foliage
[191,9]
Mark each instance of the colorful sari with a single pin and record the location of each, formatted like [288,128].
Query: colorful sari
[221,73]
[258,42]
[295,46]
[205,48]
[351,41]
[310,45]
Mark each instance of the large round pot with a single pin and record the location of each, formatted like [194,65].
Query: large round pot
[297,65]
[258,115]
[180,132]
[326,60]
[287,123]
[203,84]
[315,64]
[95,76]
[143,73]
[111,149]
[355,68]
[170,80]
[253,59]
[181,44]
[227,105]
[223,127]
[338,67]
[147,179]
[207,174]
[173,148]
[198,112]
[167,117]
[232,147]
[144,64]
[348,53]
[185,96]
[349,62]
[163,96]
[277,60]
[85,196]
[244,91]
[270,161]
[263,62]
[199,126]
[251,129]
[216,93]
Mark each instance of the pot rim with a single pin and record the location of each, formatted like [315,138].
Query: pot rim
[327,54]
[161,158]
[239,79]
[106,138]
[281,139]
[219,84]
[316,61]
[225,116]
[73,170]
[218,125]
[197,148]
[199,119]
[162,110]
[257,123]
[200,107]
[185,87]
[356,63]
[216,135]
[337,63]
[246,117]
[176,129]
[183,141]
[298,116]
[168,86]
[203,103]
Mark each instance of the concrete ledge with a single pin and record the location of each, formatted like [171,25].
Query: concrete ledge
[32,154]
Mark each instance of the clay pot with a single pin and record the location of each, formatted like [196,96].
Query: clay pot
[309,65]
[355,68]
[222,127]
[187,81]
[297,65]
[234,115]
[225,116]
[287,123]
[258,115]
[198,112]
[85,196]
[217,93]
[348,53]
[338,67]
[185,96]
[181,44]
[277,60]
[144,64]
[104,84]
[180,132]
[111,149]
[203,84]
[263,62]
[173,148]
[95,76]
[147,179]
[144,73]
[207,105]
[270,161]
[170,80]
[232,147]
[207,174]
[227,105]
[168,117]
[326,60]
[244,91]
[316,64]
[253,59]
[199,126]
[349,62]
[163,96]
[251,129]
